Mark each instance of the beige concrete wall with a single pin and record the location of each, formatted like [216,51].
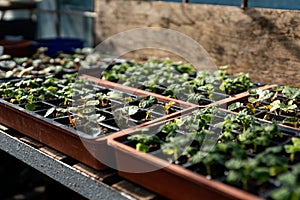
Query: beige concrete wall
[263,42]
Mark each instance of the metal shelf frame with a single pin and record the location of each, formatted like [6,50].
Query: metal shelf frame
[67,175]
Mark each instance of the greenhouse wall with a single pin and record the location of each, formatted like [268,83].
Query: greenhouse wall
[263,42]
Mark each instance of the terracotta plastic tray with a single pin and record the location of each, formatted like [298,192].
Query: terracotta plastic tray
[170,180]
[68,140]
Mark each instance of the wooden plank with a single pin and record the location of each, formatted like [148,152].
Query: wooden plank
[263,42]
[134,190]
[32,142]
[53,153]
[3,128]
[103,175]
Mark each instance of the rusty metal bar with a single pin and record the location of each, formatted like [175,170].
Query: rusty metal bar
[244,4]
[57,20]
[75,13]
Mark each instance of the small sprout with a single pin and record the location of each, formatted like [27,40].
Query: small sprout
[127,100]
[168,106]
[31,103]
[174,145]
[243,171]
[208,159]
[126,111]
[183,68]
[292,149]
[145,141]
[148,114]
[251,108]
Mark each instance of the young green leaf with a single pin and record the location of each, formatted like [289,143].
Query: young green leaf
[281,193]
[148,102]
[294,148]
[235,106]
[30,106]
[291,92]
[142,147]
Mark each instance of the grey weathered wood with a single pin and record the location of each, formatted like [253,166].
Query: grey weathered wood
[134,190]
[263,42]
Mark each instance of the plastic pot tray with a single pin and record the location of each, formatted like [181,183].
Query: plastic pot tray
[259,113]
[80,146]
[153,171]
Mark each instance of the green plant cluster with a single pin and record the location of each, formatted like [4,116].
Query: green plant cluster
[28,92]
[234,148]
[178,80]
[282,101]
[40,64]
[82,102]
